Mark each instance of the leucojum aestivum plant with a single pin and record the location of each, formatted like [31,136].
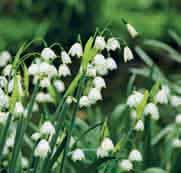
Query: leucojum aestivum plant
[38,111]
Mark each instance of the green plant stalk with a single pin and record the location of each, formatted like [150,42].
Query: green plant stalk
[4,135]
[22,125]
[75,109]
[147,153]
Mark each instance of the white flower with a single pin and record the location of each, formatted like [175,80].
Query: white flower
[48,54]
[64,70]
[126,165]
[43,97]
[99,82]
[4,100]
[178,119]
[24,162]
[65,58]
[76,50]
[175,101]
[18,109]
[107,144]
[94,95]
[131,30]
[78,155]
[70,100]
[7,70]
[42,149]
[100,64]
[59,85]
[100,43]
[3,117]
[3,82]
[162,95]
[91,70]
[127,54]
[5,56]
[101,153]
[151,109]
[10,141]
[139,126]
[35,107]
[112,44]
[99,60]
[176,143]
[135,155]
[134,99]
[111,64]
[84,101]
[36,136]
[45,83]
[47,129]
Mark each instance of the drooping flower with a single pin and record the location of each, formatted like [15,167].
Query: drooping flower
[91,70]
[100,43]
[84,101]
[163,95]
[5,57]
[178,119]
[112,44]
[139,126]
[64,70]
[18,109]
[127,54]
[59,85]
[3,117]
[132,31]
[151,109]
[47,128]
[107,144]
[175,101]
[78,155]
[135,155]
[65,58]
[36,136]
[99,82]
[42,149]
[76,50]
[126,165]
[94,95]
[48,54]
[111,64]
[134,99]
[101,153]
[176,143]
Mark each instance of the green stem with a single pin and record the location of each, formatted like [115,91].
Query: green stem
[75,109]
[147,143]
[22,125]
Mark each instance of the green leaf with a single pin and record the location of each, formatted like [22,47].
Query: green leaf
[141,106]
[26,79]
[53,93]
[154,90]
[105,130]
[154,170]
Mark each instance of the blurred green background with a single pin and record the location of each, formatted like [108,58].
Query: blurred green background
[62,20]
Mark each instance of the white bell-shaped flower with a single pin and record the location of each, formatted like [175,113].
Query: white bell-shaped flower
[47,128]
[135,155]
[84,101]
[126,165]
[178,119]
[100,43]
[176,143]
[139,126]
[107,144]
[35,136]
[132,31]
[101,153]
[76,50]
[91,70]
[59,85]
[48,54]
[94,95]
[3,117]
[44,97]
[134,99]
[99,82]
[112,44]
[42,149]
[163,95]
[7,70]
[175,101]
[111,64]
[65,58]
[152,109]
[45,83]
[78,155]
[5,57]
[64,70]
[127,54]
[18,109]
